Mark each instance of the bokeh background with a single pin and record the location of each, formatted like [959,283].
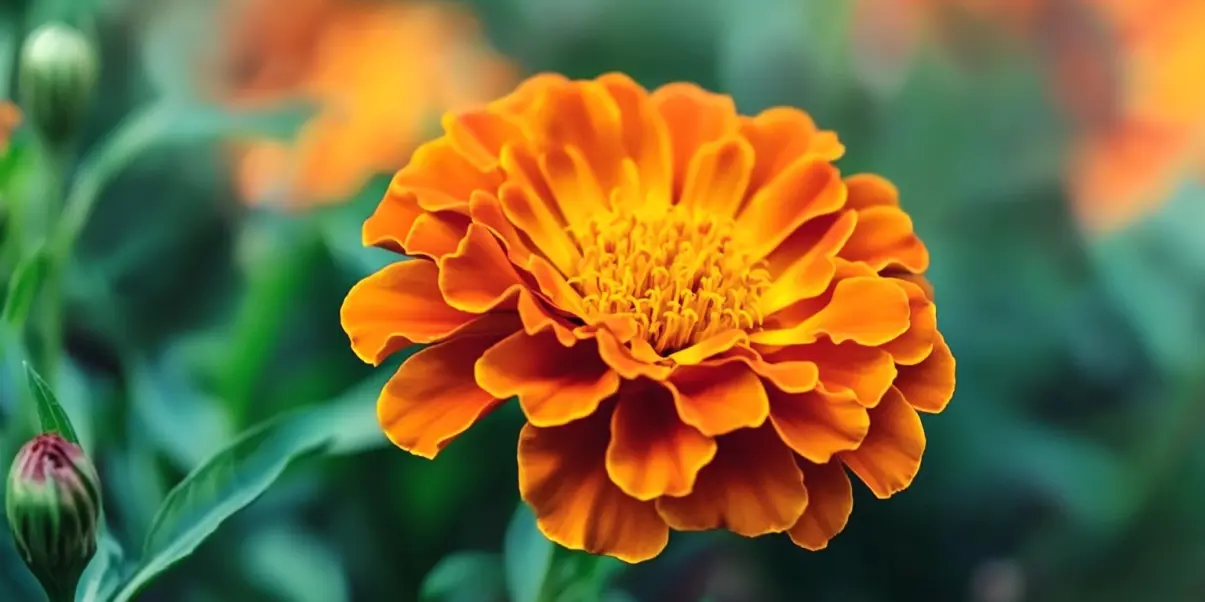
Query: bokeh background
[1050,152]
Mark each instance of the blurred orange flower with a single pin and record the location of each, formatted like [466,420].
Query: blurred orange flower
[10,118]
[379,74]
[704,324]
[1128,72]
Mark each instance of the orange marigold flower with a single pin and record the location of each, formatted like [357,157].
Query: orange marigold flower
[704,324]
[379,74]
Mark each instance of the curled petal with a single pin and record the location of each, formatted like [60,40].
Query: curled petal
[889,458]
[917,342]
[433,398]
[441,178]
[870,190]
[830,501]
[624,361]
[803,264]
[399,305]
[693,117]
[717,177]
[884,238]
[563,477]
[720,398]
[751,488]
[479,136]
[652,452]
[478,276]
[817,424]
[644,137]
[532,216]
[869,311]
[864,372]
[929,385]
[808,188]
[555,385]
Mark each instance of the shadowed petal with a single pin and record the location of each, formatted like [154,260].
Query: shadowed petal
[563,476]
[751,488]
[929,385]
[719,398]
[890,456]
[830,502]
[817,424]
[399,305]
[433,398]
[652,452]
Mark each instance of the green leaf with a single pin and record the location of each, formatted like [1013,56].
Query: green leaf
[227,483]
[23,288]
[528,557]
[465,577]
[51,415]
[104,573]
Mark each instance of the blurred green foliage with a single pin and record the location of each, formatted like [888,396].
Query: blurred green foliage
[1070,462]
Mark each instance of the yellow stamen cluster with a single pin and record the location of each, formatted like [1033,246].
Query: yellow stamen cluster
[683,277]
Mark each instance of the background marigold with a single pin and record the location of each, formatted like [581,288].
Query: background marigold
[378,73]
[704,324]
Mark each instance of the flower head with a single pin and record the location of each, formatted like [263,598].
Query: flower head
[53,508]
[704,324]
[378,73]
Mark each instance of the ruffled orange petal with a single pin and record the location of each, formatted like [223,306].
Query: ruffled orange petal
[889,458]
[433,398]
[808,188]
[830,502]
[787,376]
[478,276]
[563,477]
[780,135]
[443,179]
[399,305]
[917,342]
[802,266]
[486,210]
[644,137]
[751,488]
[555,385]
[652,452]
[863,372]
[530,215]
[719,398]
[884,238]
[693,117]
[929,385]
[575,187]
[717,177]
[624,362]
[818,424]
[866,310]
[400,225]
[870,190]
[583,117]
[479,136]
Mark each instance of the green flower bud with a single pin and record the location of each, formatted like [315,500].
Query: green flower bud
[58,72]
[53,507]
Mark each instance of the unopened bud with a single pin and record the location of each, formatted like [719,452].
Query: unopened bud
[58,72]
[53,507]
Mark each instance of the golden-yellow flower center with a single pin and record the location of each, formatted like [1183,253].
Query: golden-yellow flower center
[683,277]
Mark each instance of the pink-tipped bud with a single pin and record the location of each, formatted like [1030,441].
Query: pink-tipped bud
[53,508]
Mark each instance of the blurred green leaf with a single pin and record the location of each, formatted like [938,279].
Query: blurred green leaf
[465,577]
[23,288]
[528,556]
[104,573]
[227,483]
[51,415]
[295,565]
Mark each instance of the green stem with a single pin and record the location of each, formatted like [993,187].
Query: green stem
[50,314]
